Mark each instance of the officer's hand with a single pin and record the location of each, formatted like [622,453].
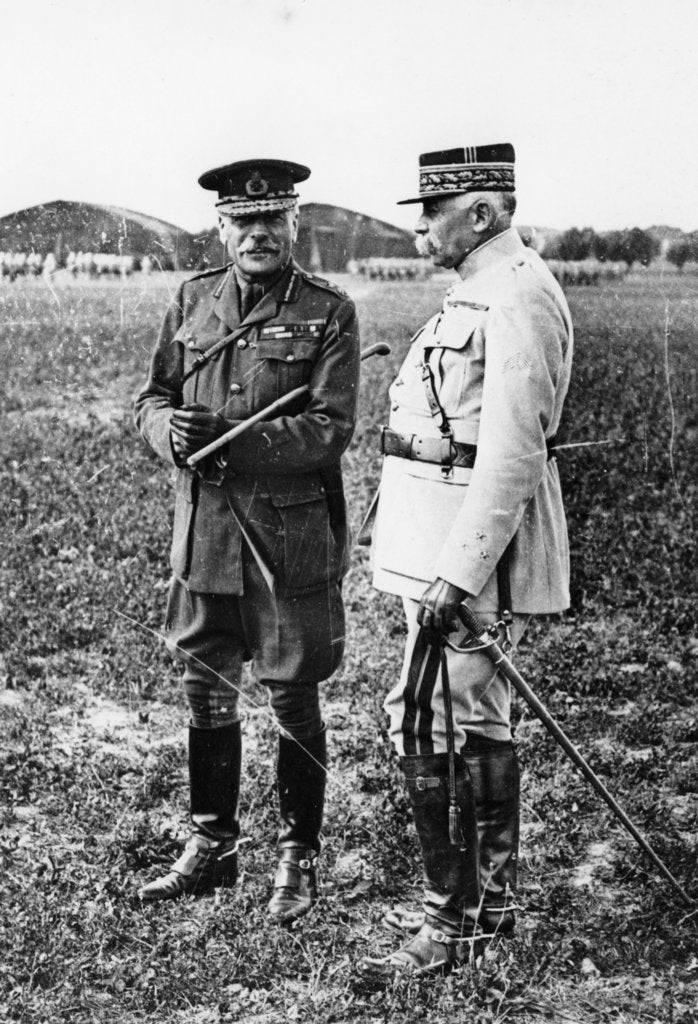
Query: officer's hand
[438,607]
[193,427]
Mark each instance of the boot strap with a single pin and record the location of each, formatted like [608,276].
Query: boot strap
[199,848]
[456,948]
[448,940]
[445,939]
[290,870]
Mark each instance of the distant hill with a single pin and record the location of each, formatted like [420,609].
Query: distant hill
[329,236]
[61,227]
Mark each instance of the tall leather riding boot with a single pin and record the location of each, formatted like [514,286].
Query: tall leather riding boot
[451,875]
[301,783]
[209,860]
[494,771]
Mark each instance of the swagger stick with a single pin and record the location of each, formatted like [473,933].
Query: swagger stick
[379,349]
[494,652]
[240,428]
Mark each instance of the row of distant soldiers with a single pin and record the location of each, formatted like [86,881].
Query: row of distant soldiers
[104,265]
[391,268]
[77,264]
[580,272]
[566,272]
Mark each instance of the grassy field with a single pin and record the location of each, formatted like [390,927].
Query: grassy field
[92,722]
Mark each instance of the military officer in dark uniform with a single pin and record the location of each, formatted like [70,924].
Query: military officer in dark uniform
[259,538]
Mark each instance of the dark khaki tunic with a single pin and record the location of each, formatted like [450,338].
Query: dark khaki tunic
[281,479]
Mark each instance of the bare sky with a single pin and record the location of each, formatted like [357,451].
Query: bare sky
[127,101]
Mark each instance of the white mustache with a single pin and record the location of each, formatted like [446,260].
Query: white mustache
[424,247]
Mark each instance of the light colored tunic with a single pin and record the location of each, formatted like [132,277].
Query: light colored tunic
[500,351]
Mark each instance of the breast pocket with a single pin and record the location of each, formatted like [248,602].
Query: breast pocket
[288,364]
[311,557]
[197,369]
[456,355]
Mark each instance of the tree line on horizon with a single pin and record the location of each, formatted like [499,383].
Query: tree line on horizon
[633,245]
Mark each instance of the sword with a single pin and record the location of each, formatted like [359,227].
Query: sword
[488,644]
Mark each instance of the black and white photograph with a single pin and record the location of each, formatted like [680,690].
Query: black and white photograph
[348,636]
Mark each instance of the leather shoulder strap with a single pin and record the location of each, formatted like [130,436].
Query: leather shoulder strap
[439,414]
[204,357]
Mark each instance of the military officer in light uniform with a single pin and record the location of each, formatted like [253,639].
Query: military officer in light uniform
[259,539]
[470,508]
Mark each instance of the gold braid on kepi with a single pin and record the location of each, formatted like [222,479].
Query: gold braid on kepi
[452,172]
[247,187]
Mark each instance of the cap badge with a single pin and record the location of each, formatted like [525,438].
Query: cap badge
[257,186]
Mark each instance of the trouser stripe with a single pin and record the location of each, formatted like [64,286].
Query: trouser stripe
[419,692]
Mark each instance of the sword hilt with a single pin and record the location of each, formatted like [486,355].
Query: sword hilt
[472,623]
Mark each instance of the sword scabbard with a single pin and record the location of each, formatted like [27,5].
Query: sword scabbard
[494,652]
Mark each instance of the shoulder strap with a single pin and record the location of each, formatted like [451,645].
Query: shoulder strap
[203,357]
[211,272]
[439,414]
[320,282]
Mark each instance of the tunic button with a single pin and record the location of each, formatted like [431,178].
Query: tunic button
[242,343]
[236,388]
[395,406]
[290,357]
[191,344]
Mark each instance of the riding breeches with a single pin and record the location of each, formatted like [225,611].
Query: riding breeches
[480,694]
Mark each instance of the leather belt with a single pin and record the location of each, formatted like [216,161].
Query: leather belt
[430,449]
[426,449]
